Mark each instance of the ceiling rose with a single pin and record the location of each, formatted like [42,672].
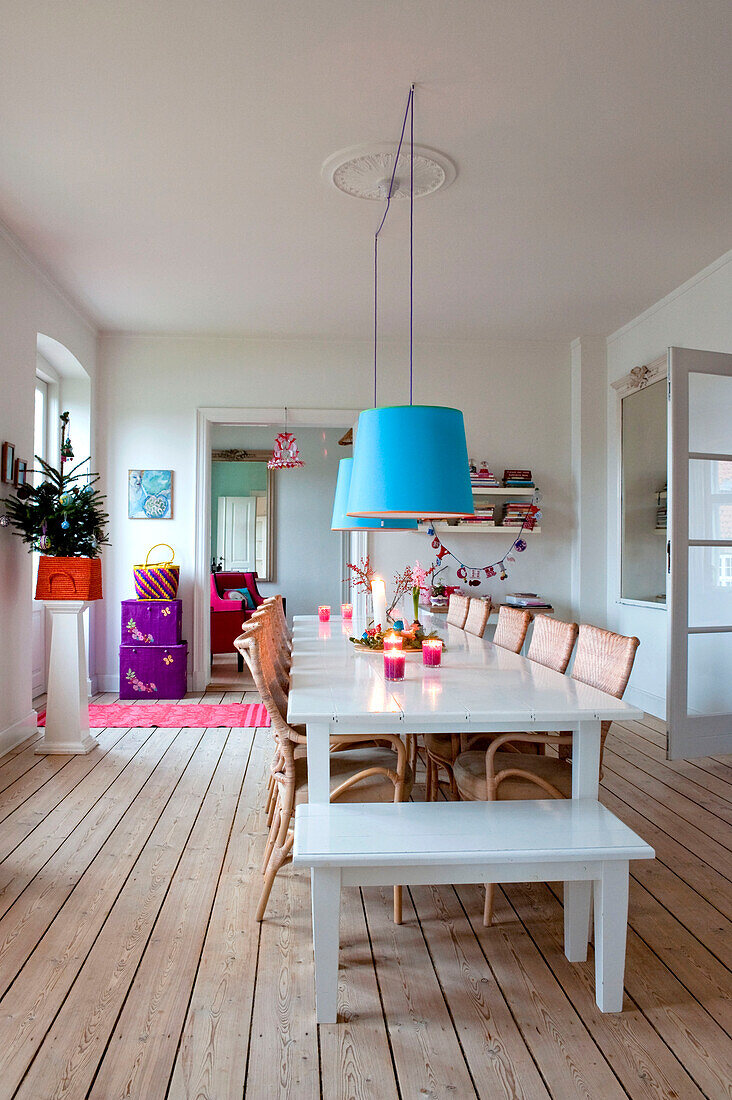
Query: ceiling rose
[364,171]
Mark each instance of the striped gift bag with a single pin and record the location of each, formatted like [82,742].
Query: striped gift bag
[159,581]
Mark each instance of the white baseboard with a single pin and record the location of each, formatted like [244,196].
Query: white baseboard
[18,732]
[645,700]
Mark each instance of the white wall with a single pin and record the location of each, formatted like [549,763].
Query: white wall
[516,399]
[29,304]
[696,315]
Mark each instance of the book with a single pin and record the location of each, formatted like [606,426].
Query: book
[526,599]
[517,475]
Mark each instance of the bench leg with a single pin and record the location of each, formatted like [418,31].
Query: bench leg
[326,896]
[577,899]
[611,926]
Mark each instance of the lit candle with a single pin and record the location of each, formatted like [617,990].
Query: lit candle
[378,593]
[432,652]
[392,641]
[324,613]
[346,610]
[394,661]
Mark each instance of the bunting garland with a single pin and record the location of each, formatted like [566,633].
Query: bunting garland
[475,574]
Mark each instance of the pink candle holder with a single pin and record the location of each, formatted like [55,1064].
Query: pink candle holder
[432,652]
[392,641]
[324,613]
[394,662]
[346,610]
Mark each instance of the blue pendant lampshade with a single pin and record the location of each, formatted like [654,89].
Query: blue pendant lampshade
[410,460]
[343,522]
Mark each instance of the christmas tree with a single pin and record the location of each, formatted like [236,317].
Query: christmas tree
[63,516]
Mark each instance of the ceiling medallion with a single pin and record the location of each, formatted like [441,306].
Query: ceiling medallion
[364,171]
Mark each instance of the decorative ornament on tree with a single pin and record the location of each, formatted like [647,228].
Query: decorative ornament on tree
[65,499]
[66,448]
[4,520]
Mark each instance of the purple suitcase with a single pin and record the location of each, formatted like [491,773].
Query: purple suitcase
[153,671]
[152,622]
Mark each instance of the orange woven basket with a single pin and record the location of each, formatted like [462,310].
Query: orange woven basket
[69,579]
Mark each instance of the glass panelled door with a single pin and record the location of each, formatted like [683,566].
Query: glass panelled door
[700,554]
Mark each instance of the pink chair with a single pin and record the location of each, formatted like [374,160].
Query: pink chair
[228,615]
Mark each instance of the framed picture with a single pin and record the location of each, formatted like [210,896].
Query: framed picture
[150,494]
[21,472]
[8,463]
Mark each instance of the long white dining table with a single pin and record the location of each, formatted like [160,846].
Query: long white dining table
[478,688]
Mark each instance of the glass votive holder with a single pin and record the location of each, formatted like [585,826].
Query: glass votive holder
[324,613]
[394,662]
[432,652]
[346,610]
[392,641]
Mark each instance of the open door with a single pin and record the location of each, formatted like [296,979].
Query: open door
[699,697]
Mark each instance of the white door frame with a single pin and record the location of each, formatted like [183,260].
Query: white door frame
[206,418]
[689,735]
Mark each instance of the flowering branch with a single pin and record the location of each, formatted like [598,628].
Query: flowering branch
[361,574]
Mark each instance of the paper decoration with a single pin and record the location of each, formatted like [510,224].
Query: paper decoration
[494,568]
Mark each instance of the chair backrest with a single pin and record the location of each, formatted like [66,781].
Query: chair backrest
[552,642]
[224,580]
[511,629]
[604,660]
[256,649]
[457,610]
[478,613]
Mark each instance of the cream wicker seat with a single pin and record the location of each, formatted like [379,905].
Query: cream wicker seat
[457,610]
[478,615]
[604,660]
[552,646]
[371,773]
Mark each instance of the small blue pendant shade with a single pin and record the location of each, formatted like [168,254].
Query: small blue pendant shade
[342,522]
[411,460]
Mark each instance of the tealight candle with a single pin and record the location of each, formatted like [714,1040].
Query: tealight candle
[346,610]
[432,652]
[394,661]
[324,613]
[392,641]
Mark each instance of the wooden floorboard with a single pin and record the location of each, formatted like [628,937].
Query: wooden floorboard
[131,964]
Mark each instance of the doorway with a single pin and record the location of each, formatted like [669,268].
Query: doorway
[301,558]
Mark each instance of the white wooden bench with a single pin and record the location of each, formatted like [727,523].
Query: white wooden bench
[575,841]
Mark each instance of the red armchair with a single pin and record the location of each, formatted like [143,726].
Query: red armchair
[228,615]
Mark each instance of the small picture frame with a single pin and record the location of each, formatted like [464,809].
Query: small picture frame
[21,472]
[7,470]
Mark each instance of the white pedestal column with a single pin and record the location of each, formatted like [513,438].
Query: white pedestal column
[67,708]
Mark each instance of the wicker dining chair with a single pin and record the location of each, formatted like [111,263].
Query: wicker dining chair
[478,614]
[552,642]
[457,610]
[371,773]
[551,645]
[511,628]
[604,660]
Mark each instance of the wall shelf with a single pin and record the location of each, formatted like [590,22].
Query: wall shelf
[492,490]
[480,529]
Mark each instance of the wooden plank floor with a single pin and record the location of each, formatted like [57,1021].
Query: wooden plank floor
[131,965]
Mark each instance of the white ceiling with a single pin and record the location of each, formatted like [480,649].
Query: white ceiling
[163,159]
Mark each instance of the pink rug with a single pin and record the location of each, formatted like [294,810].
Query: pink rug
[173,715]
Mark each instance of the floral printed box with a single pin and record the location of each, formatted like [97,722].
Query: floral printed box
[153,671]
[152,622]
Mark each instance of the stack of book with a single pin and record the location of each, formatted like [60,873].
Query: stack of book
[515,512]
[484,514]
[481,477]
[661,504]
[527,599]
[518,479]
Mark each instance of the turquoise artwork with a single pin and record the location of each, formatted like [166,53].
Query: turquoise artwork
[150,494]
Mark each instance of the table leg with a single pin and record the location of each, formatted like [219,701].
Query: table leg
[326,892]
[611,925]
[585,784]
[318,749]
